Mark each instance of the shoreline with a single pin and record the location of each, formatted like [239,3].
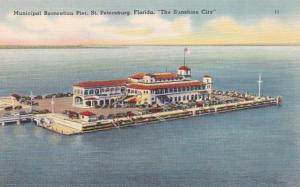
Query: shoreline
[162,45]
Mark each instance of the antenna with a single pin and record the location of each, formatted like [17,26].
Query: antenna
[259,85]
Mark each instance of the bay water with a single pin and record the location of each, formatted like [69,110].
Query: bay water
[257,147]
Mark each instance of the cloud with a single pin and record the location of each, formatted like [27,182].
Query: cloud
[162,27]
[145,29]
[265,31]
[65,30]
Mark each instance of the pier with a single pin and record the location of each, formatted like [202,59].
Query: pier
[66,125]
[61,124]
[15,119]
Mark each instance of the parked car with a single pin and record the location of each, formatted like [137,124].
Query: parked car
[111,116]
[19,107]
[130,113]
[101,117]
[8,108]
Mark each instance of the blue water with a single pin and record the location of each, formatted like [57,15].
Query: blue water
[259,147]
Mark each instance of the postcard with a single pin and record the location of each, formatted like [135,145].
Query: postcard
[149,93]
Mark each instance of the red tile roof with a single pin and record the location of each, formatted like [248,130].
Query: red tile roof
[166,76]
[137,76]
[87,113]
[157,76]
[131,100]
[162,86]
[207,76]
[15,95]
[93,84]
[184,68]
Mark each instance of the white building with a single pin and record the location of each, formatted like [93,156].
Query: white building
[163,88]
[98,93]
[151,88]
[88,116]
[207,80]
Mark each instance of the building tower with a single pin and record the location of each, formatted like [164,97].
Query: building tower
[207,80]
[184,70]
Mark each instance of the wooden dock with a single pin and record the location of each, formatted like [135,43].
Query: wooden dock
[15,119]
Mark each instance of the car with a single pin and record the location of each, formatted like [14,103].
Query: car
[8,108]
[22,113]
[19,107]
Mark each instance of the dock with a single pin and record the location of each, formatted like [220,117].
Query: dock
[60,123]
[63,124]
[15,119]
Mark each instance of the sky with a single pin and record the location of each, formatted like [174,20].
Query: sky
[233,22]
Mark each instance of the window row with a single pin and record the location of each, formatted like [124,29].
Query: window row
[180,89]
[99,91]
[185,98]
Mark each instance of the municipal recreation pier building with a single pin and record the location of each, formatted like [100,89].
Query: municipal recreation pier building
[144,89]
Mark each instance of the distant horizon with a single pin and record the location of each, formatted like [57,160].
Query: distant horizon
[127,45]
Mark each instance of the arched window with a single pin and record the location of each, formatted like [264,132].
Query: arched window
[101,102]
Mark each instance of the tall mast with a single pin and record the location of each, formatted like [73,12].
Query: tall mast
[31,101]
[52,104]
[184,58]
[259,85]
[184,52]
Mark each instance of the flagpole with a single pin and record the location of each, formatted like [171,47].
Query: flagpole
[184,57]
[259,85]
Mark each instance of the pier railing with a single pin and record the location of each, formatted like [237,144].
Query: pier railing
[15,118]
